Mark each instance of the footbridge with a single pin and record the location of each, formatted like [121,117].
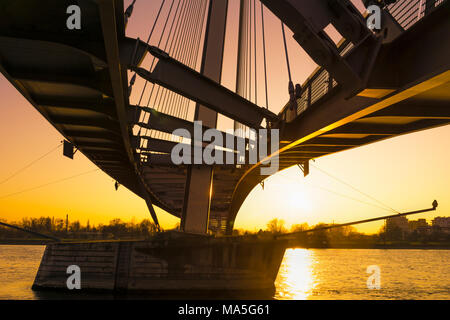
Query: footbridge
[373,85]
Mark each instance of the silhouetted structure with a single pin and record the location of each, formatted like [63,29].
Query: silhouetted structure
[373,85]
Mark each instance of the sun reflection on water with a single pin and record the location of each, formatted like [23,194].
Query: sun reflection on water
[296,279]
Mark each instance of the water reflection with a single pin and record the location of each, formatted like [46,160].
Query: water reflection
[342,274]
[296,279]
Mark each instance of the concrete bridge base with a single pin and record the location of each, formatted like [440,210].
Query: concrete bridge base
[168,262]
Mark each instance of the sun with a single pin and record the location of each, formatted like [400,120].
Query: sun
[298,208]
[298,201]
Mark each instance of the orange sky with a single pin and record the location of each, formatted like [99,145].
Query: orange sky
[407,172]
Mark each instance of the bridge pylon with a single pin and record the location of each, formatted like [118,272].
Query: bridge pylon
[199,181]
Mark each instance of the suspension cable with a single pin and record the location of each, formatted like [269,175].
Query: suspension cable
[154,59]
[247,54]
[197,49]
[48,184]
[170,34]
[176,36]
[165,95]
[286,52]
[146,81]
[180,45]
[189,48]
[148,41]
[342,195]
[184,47]
[160,41]
[351,198]
[175,52]
[31,163]
[354,188]
[264,52]
[256,47]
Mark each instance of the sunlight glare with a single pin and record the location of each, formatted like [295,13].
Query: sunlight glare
[295,279]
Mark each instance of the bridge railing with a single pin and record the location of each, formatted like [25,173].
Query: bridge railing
[320,83]
[409,12]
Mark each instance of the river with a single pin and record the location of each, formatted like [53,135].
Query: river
[305,274]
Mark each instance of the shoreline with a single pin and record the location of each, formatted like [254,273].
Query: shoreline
[380,248]
[402,246]
[395,245]
[24,242]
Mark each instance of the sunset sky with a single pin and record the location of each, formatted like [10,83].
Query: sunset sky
[406,173]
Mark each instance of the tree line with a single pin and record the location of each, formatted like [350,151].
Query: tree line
[62,228]
[347,235]
[118,229]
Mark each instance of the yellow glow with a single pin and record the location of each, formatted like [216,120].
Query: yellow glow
[296,279]
[375,93]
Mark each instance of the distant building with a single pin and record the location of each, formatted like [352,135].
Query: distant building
[442,224]
[400,222]
[418,225]
[397,223]
[398,228]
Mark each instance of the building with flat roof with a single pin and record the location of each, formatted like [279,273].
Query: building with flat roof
[441,224]
[419,224]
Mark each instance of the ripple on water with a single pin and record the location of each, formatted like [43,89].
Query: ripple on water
[341,274]
[304,274]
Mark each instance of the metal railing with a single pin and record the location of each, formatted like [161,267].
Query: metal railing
[409,12]
[320,83]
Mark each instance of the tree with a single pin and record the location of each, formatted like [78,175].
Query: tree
[299,227]
[319,239]
[147,228]
[276,226]
[341,233]
[394,233]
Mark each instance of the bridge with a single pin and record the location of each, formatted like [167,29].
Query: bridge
[372,85]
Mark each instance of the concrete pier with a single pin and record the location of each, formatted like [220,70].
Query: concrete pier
[168,262]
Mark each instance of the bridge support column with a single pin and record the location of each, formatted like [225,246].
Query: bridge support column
[199,181]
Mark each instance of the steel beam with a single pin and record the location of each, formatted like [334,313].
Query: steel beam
[112,29]
[165,146]
[105,106]
[92,135]
[95,82]
[166,160]
[189,83]
[308,19]
[106,124]
[165,123]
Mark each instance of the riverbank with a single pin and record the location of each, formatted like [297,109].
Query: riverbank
[374,245]
[25,242]
[293,244]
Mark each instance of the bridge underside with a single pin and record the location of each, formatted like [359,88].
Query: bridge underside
[408,91]
[78,81]
[70,77]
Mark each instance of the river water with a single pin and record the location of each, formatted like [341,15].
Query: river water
[304,274]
